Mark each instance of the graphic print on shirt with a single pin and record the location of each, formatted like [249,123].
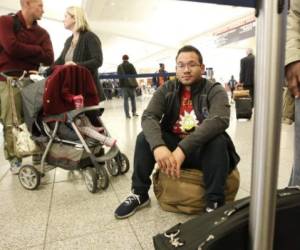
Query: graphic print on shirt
[187,121]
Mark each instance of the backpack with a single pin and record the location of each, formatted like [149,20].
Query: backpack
[16,25]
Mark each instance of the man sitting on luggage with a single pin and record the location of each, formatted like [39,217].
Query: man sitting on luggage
[183,127]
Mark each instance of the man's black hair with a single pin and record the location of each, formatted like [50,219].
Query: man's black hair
[190,48]
[125,57]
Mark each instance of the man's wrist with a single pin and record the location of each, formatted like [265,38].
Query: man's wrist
[158,146]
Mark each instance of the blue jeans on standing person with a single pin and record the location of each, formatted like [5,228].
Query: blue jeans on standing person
[295,176]
[129,93]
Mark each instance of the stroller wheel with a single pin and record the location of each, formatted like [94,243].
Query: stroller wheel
[112,167]
[123,163]
[90,178]
[103,178]
[29,177]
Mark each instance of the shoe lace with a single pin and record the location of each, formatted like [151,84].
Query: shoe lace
[208,210]
[132,198]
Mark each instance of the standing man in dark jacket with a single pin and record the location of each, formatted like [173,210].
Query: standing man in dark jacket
[183,127]
[23,46]
[247,72]
[161,77]
[127,68]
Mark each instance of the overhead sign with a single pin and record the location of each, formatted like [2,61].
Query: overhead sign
[237,31]
[241,3]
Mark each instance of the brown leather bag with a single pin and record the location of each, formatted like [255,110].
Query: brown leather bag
[241,93]
[187,194]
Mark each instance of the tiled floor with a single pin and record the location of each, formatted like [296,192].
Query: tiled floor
[62,214]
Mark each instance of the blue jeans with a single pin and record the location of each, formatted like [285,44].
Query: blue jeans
[295,176]
[129,93]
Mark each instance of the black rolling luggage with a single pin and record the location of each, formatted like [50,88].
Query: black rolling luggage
[227,227]
[243,108]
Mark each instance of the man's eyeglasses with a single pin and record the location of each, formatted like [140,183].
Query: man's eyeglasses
[190,66]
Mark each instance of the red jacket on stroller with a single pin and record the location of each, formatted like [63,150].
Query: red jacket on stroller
[65,82]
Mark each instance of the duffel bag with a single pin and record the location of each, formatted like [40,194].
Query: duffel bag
[187,193]
[241,93]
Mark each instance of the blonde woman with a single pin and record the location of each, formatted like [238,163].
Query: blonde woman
[83,47]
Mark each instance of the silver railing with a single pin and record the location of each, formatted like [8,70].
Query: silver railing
[269,68]
[269,74]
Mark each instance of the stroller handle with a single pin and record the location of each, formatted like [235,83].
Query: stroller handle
[73,113]
[70,115]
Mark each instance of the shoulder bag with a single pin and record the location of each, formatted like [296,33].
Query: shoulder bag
[187,193]
[132,82]
[23,144]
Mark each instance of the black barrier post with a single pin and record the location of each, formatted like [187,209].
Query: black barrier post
[146,75]
[241,3]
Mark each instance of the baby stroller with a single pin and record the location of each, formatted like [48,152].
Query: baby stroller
[85,154]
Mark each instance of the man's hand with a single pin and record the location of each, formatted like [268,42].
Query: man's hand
[165,160]
[179,158]
[293,78]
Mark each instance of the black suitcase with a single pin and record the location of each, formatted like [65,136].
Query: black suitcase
[227,227]
[243,108]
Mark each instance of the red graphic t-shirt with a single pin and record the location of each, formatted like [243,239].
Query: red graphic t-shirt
[187,120]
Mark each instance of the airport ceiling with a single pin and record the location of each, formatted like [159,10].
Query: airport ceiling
[149,31]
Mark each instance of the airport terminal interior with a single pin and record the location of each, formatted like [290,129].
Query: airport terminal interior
[61,213]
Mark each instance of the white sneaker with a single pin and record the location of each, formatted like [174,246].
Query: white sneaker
[212,206]
[15,165]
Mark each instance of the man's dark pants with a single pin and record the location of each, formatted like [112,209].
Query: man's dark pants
[129,93]
[212,159]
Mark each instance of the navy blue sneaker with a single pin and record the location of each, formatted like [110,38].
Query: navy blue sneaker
[132,203]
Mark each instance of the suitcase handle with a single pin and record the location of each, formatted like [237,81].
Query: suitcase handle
[237,207]
[289,191]
[245,202]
